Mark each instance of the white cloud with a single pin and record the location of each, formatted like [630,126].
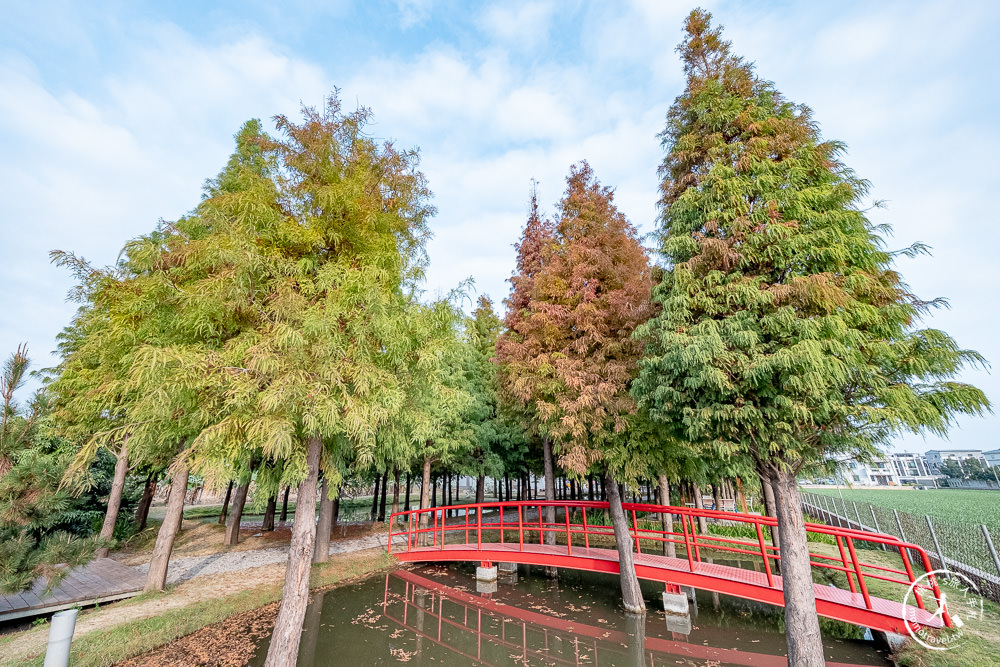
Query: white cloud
[86,171]
[521,26]
[413,12]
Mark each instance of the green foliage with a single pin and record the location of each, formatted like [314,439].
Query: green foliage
[498,441]
[785,332]
[33,507]
[283,306]
[968,469]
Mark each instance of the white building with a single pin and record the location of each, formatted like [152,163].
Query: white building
[937,457]
[992,457]
[911,468]
[876,473]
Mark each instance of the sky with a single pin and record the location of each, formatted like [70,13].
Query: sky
[112,115]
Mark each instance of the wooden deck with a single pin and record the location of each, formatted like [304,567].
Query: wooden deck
[102,580]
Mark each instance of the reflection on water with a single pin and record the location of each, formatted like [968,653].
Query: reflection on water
[434,615]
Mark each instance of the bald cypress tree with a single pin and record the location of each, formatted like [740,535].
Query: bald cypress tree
[569,356]
[785,334]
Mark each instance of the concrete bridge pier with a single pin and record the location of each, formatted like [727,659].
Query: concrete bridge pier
[675,601]
[486,578]
[507,573]
[678,610]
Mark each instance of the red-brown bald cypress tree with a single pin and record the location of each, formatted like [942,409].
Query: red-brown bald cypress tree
[583,286]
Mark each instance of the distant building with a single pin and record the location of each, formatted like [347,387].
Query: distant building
[912,468]
[992,457]
[937,457]
[876,473]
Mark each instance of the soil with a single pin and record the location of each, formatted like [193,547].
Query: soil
[230,643]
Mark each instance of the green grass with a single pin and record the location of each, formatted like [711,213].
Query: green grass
[956,505]
[981,637]
[102,648]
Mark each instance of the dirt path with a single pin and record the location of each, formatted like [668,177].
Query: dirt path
[186,568]
[198,578]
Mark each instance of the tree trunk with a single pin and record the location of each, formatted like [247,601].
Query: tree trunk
[446,496]
[385,491]
[550,494]
[284,505]
[425,497]
[224,514]
[667,519]
[312,622]
[321,552]
[284,649]
[336,509]
[805,644]
[232,537]
[375,490]
[716,496]
[699,503]
[115,499]
[498,486]
[739,495]
[267,525]
[142,510]
[631,593]
[767,492]
[635,625]
[406,503]
[480,489]
[156,578]
[395,491]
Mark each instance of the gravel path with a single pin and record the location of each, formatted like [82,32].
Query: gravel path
[184,568]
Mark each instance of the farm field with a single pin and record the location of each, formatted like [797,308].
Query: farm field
[954,505]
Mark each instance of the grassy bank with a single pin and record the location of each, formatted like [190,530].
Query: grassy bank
[101,648]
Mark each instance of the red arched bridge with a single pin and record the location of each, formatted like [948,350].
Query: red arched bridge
[516,532]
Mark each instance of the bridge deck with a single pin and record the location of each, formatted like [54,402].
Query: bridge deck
[832,602]
[101,580]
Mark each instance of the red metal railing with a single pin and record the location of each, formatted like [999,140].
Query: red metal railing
[478,526]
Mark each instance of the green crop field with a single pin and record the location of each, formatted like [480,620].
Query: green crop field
[954,505]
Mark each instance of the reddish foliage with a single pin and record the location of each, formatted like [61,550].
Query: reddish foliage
[582,286]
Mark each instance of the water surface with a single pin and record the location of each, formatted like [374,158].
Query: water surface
[434,615]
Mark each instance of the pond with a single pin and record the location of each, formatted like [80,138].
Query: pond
[434,615]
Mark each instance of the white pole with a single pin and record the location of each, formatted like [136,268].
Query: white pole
[60,635]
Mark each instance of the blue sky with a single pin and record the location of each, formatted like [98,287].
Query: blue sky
[112,114]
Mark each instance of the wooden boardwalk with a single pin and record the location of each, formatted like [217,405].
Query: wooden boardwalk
[102,580]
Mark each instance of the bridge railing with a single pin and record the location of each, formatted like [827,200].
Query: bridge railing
[479,526]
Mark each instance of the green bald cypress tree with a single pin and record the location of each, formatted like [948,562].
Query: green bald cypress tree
[786,335]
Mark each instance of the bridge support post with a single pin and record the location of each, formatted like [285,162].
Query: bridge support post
[675,600]
[486,572]
[892,640]
[507,568]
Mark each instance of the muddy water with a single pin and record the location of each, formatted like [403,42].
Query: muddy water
[434,615]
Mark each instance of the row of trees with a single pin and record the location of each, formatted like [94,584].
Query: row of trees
[278,333]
